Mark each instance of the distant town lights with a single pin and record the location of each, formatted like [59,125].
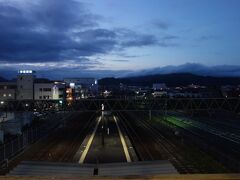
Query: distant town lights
[72,85]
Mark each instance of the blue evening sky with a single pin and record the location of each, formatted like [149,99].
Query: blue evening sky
[207,31]
[104,36]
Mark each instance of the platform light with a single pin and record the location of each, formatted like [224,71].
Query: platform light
[72,85]
[70,98]
[2,102]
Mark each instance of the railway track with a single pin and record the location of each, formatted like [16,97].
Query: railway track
[62,144]
[165,148]
[140,147]
[214,137]
[74,145]
[219,144]
[222,131]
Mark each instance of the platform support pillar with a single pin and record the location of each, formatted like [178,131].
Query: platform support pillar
[150,115]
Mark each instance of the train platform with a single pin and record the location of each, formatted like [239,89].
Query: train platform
[106,146]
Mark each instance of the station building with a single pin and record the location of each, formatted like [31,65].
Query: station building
[25,85]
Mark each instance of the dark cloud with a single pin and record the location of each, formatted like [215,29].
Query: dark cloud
[140,40]
[169,37]
[168,41]
[129,38]
[121,60]
[61,30]
[44,31]
[207,37]
[161,24]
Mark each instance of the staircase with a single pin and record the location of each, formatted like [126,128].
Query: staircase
[35,168]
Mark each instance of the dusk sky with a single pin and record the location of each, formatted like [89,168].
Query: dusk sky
[107,37]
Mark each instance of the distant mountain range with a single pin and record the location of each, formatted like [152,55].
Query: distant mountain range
[193,68]
[173,76]
[2,79]
[174,79]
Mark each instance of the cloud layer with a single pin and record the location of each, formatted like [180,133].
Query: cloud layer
[48,31]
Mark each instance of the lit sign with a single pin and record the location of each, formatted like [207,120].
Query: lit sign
[25,71]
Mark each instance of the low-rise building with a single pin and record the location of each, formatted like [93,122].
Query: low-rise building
[8,90]
[81,87]
[49,91]
[159,86]
[159,94]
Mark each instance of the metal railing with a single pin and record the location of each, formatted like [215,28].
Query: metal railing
[189,104]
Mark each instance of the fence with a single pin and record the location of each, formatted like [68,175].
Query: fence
[11,148]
